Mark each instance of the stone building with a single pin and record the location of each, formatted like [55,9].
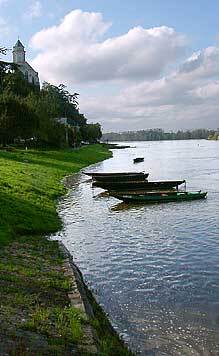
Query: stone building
[19,58]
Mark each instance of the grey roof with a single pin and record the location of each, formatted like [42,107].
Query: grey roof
[25,64]
[18,44]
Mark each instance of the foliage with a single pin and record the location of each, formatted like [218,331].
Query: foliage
[3,50]
[47,107]
[5,69]
[157,135]
[18,95]
[91,133]
[16,119]
[15,83]
[62,103]
[214,136]
[62,322]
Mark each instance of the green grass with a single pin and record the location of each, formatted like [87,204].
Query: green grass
[63,323]
[30,182]
[35,313]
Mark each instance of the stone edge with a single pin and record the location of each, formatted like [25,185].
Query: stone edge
[79,300]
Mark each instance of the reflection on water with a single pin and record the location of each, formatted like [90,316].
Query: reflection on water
[123,206]
[154,268]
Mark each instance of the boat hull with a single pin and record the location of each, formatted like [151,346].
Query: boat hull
[118,177]
[162,197]
[138,185]
[109,174]
[138,159]
[121,178]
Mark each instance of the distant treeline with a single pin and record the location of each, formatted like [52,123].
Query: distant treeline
[214,136]
[158,135]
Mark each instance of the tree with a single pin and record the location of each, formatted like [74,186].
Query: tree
[63,103]
[3,50]
[16,119]
[15,83]
[27,111]
[91,133]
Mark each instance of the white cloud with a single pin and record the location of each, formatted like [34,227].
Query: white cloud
[74,51]
[145,91]
[203,64]
[187,98]
[34,11]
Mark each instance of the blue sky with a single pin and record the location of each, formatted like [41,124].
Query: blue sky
[196,28]
[197,18]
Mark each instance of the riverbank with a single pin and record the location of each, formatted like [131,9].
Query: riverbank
[41,311]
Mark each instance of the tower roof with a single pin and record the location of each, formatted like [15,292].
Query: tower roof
[18,44]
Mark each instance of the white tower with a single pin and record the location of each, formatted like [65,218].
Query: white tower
[18,53]
[19,58]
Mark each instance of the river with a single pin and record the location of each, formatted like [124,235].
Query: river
[154,268]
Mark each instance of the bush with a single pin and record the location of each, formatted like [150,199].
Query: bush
[17,119]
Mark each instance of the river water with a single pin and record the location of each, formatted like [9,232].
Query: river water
[154,268]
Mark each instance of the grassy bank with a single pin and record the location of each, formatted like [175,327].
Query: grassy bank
[30,182]
[36,317]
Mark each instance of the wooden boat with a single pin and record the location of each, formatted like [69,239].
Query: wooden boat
[126,178]
[137,192]
[121,177]
[160,197]
[110,174]
[138,185]
[138,159]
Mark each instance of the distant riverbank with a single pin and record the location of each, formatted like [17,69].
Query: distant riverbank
[157,135]
[41,308]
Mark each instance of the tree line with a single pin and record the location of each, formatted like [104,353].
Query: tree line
[46,116]
[214,136]
[158,135]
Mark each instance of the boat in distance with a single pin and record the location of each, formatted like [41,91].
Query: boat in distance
[138,185]
[161,197]
[138,159]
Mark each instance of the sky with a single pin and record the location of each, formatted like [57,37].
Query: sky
[136,64]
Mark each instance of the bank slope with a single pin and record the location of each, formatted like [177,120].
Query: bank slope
[30,182]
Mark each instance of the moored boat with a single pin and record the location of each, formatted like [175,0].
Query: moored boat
[109,174]
[160,197]
[118,177]
[138,159]
[137,192]
[138,185]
